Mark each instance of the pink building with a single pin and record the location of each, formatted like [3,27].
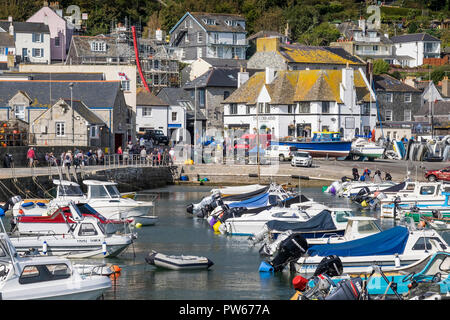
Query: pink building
[60,32]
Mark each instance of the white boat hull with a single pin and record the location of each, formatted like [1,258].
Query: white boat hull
[178,262]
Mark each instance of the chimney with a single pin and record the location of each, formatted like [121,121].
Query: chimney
[362,24]
[11,26]
[270,75]
[445,87]
[386,35]
[347,87]
[242,77]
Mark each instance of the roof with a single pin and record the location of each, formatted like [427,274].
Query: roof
[218,62]
[82,47]
[146,98]
[290,86]
[56,76]
[84,111]
[220,24]
[388,83]
[414,37]
[216,77]
[92,93]
[317,55]
[264,34]
[180,97]
[25,27]
[6,40]
[439,108]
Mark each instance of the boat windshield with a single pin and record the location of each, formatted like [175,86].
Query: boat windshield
[341,216]
[70,191]
[367,227]
[113,192]
[441,263]
[84,208]
[99,192]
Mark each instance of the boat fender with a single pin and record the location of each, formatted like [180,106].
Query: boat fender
[265,267]
[104,248]
[364,203]
[27,204]
[115,272]
[44,247]
[299,283]
[41,204]
[216,226]
[333,190]
[223,229]
[397,261]
[212,221]
[138,225]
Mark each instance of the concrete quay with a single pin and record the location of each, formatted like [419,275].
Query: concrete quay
[323,172]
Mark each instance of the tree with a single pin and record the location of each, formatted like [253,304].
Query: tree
[380,66]
[322,35]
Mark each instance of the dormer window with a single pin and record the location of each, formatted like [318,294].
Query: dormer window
[98,46]
[229,22]
[209,21]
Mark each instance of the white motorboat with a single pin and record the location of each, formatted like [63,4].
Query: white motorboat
[84,238]
[364,148]
[357,227]
[235,190]
[418,193]
[352,188]
[253,224]
[46,278]
[180,262]
[391,249]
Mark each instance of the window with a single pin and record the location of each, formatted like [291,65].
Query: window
[365,109]
[57,41]
[113,191]
[41,273]
[291,108]
[267,108]
[38,37]
[98,46]
[247,109]
[234,38]
[146,111]
[426,190]
[199,52]
[87,229]
[38,52]
[220,52]
[98,192]
[407,115]
[425,241]
[388,115]
[94,132]
[60,129]
[389,97]
[125,85]
[215,38]
[235,52]
[199,37]
[201,98]
[19,111]
[408,97]
[233,108]
[226,94]
[375,48]
[304,107]
[174,116]
[325,107]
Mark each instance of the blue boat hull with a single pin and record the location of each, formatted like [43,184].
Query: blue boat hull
[321,148]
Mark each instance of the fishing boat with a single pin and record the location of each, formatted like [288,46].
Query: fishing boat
[178,262]
[322,144]
[433,211]
[84,238]
[364,148]
[391,249]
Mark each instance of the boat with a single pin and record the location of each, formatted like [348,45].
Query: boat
[391,249]
[237,190]
[364,148]
[45,278]
[352,188]
[178,262]
[357,227]
[322,144]
[84,238]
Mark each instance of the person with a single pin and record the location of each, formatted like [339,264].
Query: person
[120,153]
[355,174]
[68,159]
[125,156]
[99,156]
[377,177]
[31,156]
[143,154]
[171,156]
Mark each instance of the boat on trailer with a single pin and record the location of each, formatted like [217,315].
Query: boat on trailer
[178,262]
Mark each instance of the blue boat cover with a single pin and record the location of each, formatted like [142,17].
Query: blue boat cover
[319,222]
[255,202]
[387,242]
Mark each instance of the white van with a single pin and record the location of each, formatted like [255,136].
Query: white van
[281,153]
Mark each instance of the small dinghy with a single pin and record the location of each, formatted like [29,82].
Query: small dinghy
[178,262]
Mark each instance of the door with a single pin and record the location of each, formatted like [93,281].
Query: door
[24,53]
[118,141]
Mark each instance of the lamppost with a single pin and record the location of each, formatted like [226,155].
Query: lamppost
[73,114]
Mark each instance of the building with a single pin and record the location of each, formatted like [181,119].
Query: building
[272,53]
[7,51]
[368,44]
[32,40]
[432,92]
[209,91]
[419,46]
[151,112]
[397,105]
[202,65]
[69,122]
[28,99]
[60,30]
[434,117]
[299,102]
[209,35]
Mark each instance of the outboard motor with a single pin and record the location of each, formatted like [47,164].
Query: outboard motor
[330,265]
[387,177]
[290,249]
[320,288]
[347,289]
[355,174]
[361,195]
[436,214]
[190,208]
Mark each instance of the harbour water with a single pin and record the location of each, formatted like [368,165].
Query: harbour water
[234,275]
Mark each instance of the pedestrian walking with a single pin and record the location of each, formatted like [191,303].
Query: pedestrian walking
[31,156]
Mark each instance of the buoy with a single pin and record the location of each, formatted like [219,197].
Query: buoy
[138,225]
[299,283]
[212,221]
[216,226]
[104,247]
[364,203]
[324,188]
[44,247]
[265,267]
[115,272]
[333,190]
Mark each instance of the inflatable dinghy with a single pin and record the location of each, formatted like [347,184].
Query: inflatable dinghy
[178,262]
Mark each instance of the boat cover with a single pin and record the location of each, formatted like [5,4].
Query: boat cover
[245,196]
[255,202]
[321,221]
[387,242]
[284,203]
[395,188]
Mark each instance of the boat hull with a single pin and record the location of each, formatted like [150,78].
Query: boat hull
[322,148]
[178,262]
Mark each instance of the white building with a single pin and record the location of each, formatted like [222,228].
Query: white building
[32,40]
[418,46]
[299,102]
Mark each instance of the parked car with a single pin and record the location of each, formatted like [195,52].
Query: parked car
[281,153]
[157,136]
[435,175]
[301,158]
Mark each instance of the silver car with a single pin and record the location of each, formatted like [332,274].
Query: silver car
[301,158]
